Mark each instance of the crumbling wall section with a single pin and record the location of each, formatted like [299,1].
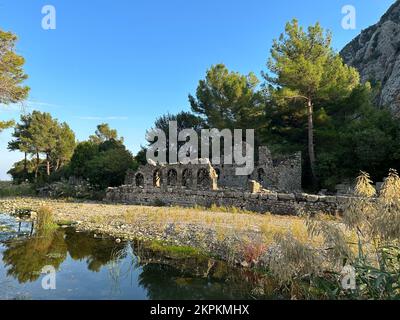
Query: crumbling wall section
[275,203]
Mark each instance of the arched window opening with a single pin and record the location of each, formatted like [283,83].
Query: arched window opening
[139,180]
[203,178]
[186,178]
[157,178]
[172,177]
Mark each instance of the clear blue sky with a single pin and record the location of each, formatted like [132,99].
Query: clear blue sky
[126,62]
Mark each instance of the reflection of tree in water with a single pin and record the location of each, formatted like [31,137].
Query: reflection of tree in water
[26,258]
[163,275]
[196,278]
[96,252]
[166,282]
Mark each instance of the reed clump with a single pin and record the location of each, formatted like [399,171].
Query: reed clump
[45,222]
[367,241]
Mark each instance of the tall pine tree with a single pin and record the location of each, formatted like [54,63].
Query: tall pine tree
[305,68]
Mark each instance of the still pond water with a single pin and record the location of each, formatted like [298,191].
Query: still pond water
[89,267]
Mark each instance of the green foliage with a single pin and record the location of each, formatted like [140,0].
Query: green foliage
[104,133]
[84,152]
[377,223]
[74,188]
[39,133]
[378,282]
[104,164]
[228,99]
[140,157]
[184,120]
[26,258]
[224,99]
[11,71]
[306,67]
[109,167]
[6,124]
[354,136]
[22,141]
[24,171]
[350,133]
[65,146]
[43,135]
[308,73]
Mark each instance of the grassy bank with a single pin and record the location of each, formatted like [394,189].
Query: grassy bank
[311,250]
[8,189]
[239,237]
[223,221]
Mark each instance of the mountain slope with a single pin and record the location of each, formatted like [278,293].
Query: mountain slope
[376,55]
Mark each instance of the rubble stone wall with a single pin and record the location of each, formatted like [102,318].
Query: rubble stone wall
[275,203]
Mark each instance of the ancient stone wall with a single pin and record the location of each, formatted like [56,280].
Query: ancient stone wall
[275,203]
[281,173]
[188,176]
[205,185]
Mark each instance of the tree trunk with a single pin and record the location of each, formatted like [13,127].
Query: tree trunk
[37,166]
[311,151]
[58,164]
[26,165]
[47,164]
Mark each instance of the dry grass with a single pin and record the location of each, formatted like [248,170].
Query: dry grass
[226,221]
[369,242]
[223,221]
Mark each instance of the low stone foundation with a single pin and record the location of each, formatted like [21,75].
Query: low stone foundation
[275,203]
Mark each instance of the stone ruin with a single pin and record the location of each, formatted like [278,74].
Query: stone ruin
[278,174]
[273,187]
[173,176]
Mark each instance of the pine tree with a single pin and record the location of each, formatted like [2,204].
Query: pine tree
[104,133]
[228,99]
[65,146]
[306,69]
[22,141]
[11,74]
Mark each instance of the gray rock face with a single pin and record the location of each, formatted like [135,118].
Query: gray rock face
[376,55]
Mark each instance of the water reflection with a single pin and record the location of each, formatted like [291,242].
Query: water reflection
[96,252]
[87,266]
[26,258]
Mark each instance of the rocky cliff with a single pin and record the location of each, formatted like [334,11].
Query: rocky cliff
[376,54]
